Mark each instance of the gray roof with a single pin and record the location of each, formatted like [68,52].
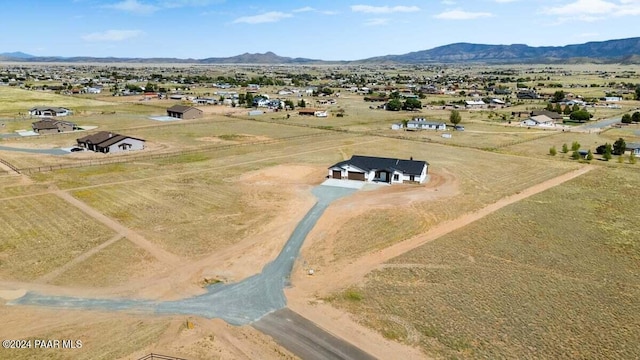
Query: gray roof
[369,163]
[104,138]
[181,108]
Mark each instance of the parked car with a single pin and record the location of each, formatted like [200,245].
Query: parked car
[459,128]
[74,149]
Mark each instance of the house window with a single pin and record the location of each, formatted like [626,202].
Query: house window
[396,177]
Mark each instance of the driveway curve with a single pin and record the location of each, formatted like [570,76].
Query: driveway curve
[238,303]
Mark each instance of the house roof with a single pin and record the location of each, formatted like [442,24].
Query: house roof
[44,108]
[48,123]
[104,138]
[552,114]
[181,109]
[368,163]
[541,119]
[632,146]
[433,123]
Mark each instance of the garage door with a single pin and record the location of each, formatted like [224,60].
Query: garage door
[337,174]
[356,176]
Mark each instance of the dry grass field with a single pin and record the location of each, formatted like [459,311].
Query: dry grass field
[516,284]
[18,101]
[41,233]
[117,264]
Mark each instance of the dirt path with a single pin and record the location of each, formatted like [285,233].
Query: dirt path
[153,249]
[82,257]
[338,277]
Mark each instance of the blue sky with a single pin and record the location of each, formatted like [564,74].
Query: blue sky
[328,30]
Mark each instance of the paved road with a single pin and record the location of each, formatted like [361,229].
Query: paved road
[305,339]
[36,151]
[238,303]
[601,124]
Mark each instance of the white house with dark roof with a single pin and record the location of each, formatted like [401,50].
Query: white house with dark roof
[108,142]
[423,124]
[378,169]
[633,148]
[44,111]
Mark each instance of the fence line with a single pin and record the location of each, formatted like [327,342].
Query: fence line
[142,157]
[10,166]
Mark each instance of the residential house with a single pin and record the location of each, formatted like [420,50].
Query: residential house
[633,148]
[307,112]
[475,104]
[108,142]
[551,114]
[378,169]
[51,126]
[43,111]
[423,124]
[539,120]
[527,94]
[184,112]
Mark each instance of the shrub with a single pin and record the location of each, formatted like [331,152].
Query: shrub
[565,148]
[553,151]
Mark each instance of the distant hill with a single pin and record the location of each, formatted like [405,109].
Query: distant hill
[601,51]
[16,55]
[624,51]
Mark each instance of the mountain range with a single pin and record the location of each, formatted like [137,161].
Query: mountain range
[624,51]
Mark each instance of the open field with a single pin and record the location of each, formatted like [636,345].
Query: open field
[515,284]
[40,233]
[116,264]
[18,101]
[462,186]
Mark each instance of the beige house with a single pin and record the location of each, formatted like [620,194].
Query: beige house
[51,126]
[184,112]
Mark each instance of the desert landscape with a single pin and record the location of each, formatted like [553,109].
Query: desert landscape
[522,242]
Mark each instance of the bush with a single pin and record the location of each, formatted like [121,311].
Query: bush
[575,155]
[565,148]
[553,151]
[575,146]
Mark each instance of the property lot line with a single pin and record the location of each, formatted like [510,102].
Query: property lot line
[80,258]
[359,268]
[157,252]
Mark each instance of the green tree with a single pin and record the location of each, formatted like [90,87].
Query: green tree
[607,152]
[575,155]
[565,148]
[302,103]
[635,117]
[151,87]
[455,117]
[619,147]
[249,99]
[289,104]
[632,158]
[589,155]
[549,107]
[412,104]
[626,119]
[553,151]
[638,92]
[580,115]
[567,110]
[558,96]
[575,146]
[394,105]
[558,108]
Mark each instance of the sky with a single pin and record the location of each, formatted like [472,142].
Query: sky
[326,30]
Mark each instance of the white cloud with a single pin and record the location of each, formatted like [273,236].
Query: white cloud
[272,16]
[304,9]
[591,10]
[383,9]
[133,6]
[448,2]
[169,4]
[112,35]
[462,15]
[504,1]
[376,22]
